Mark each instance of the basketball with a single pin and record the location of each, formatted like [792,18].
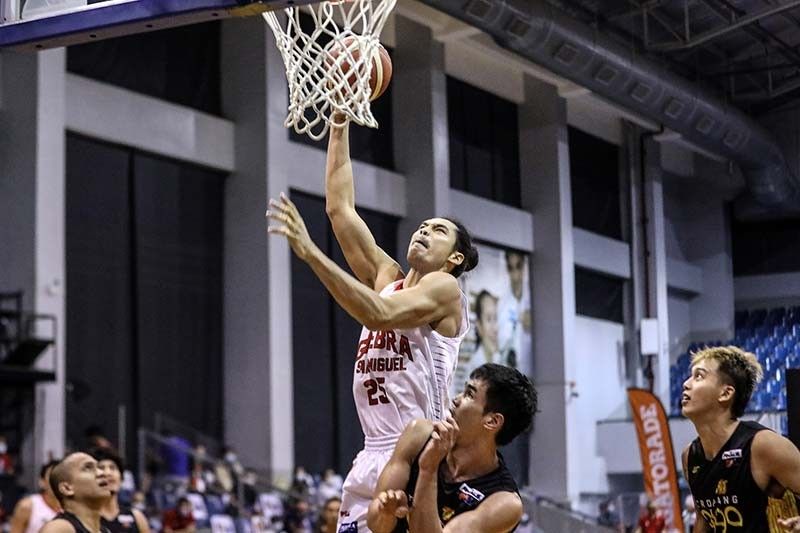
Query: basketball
[381,73]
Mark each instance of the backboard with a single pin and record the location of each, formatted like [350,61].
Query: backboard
[41,24]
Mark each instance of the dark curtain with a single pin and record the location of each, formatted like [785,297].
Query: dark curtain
[178,248]
[766,247]
[180,65]
[484,143]
[99,313]
[595,180]
[324,355]
[144,302]
[599,295]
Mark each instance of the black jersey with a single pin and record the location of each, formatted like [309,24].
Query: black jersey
[77,524]
[455,498]
[124,522]
[725,494]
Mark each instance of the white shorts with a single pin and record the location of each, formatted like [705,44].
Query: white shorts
[359,486]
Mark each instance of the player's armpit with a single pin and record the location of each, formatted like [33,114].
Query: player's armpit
[435,297]
[499,513]
[776,458]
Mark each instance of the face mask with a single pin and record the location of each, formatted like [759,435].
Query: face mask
[3,447]
[139,506]
[230,457]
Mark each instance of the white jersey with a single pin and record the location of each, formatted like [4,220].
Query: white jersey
[41,513]
[404,374]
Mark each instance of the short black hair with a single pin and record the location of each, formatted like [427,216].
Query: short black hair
[511,394]
[465,246]
[107,454]
[47,466]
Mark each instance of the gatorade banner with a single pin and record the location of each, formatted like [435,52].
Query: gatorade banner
[658,458]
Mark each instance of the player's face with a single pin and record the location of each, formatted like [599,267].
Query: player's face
[703,389]
[112,474]
[487,325]
[468,409]
[515,266]
[331,512]
[86,480]
[432,244]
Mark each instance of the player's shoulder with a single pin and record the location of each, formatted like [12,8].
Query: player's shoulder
[442,282]
[58,525]
[25,504]
[767,442]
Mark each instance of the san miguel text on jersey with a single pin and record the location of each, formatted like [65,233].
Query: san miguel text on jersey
[385,343]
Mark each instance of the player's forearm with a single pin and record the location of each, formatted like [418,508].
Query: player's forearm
[379,522]
[424,515]
[339,189]
[360,302]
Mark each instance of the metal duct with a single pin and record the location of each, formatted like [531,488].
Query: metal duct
[541,33]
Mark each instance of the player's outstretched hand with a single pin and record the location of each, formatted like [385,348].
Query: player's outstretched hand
[393,503]
[790,524]
[441,442]
[285,220]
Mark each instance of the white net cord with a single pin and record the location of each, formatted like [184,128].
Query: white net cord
[328,66]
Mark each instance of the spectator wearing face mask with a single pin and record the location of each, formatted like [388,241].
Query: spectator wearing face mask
[180,519]
[6,464]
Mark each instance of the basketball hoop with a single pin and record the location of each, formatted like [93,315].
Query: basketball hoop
[328,66]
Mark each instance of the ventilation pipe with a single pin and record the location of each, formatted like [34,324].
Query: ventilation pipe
[541,33]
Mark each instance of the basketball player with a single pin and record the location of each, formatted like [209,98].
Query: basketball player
[733,466]
[413,324]
[82,490]
[448,476]
[117,518]
[34,511]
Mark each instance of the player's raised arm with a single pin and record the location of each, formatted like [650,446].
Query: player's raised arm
[371,265]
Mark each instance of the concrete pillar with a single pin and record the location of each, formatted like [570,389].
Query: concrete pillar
[32,219]
[420,126]
[258,364]
[545,177]
[656,257]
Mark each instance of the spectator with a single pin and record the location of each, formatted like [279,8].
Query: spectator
[180,519]
[607,515]
[298,517]
[95,438]
[329,515]
[230,457]
[249,488]
[139,502]
[651,521]
[175,456]
[6,464]
[302,485]
[202,478]
[689,513]
[330,486]
[33,512]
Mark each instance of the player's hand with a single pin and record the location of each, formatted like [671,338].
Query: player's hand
[790,524]
[441,442]
[285,220]
[393,503]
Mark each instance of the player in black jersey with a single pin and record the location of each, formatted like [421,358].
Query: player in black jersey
[732,467]
[117,518]
[82,489]
[448,476]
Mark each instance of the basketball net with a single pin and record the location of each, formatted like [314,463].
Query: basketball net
[323,85]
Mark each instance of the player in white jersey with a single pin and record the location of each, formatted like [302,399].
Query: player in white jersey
[34,511]
[413,323]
